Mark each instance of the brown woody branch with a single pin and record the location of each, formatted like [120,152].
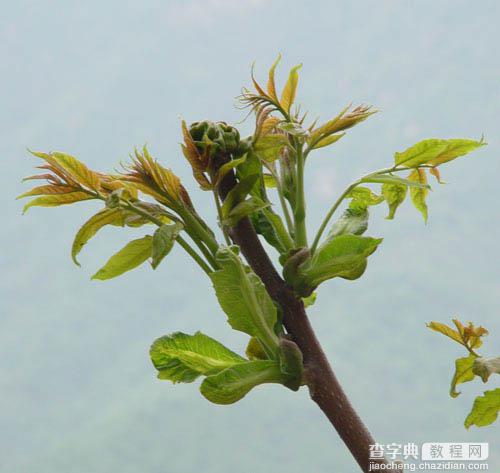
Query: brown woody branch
[324,388]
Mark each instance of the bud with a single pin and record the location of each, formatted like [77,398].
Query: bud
[211,138]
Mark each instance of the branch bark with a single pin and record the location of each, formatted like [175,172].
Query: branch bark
[324,388]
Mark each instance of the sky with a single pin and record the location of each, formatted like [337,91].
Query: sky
[96,79]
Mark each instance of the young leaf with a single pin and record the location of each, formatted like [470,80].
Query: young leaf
[291,364]
[351,222]
[362,198]
[268,147]
[244,209]
[129,257]
[92,226]
[225,168]
[163,241]
[271,85]
[244,299]
[420,153]
[238,193]
[463,373]
[57,200]
[327,141]
[269,181]
[270,226]
[182,358]
[456,148]
[77,170]
[485,367]
[435,151]
[447,331]
[234,383]
[345,257]
[418,194]
[292,128]
[288,95]
[309,300]
[48,189]
[485,409]
[394,195]
[254,350]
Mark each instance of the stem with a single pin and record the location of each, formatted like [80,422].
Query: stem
[179,239]
[324,388]
[199,230]
[336,204]
[189,249]
[329,215]
[299,212]
[284,206]
[219,213]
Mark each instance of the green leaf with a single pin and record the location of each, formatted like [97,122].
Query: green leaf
[270,181]
[362,198]
[293,128]
[238,193]
[225,168]
[345,256]
[463,373]
[57,200]
[419,195]
[244,209]
[182,358]
[291,364]
[351,222]
[309,300]
[447,331]
[244,299]
[485,409]
[271,227]
[163,241]
[92,226]
[394,195]
[254,350]
[485,367]
[327,141]
[290,89]
[129,257]
[268,147]
[78,171]
[251,166]
[234,383]
[435,151]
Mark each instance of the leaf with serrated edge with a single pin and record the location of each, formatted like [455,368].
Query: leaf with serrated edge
[133,254]
[485,409]
[244,299]
[179,357]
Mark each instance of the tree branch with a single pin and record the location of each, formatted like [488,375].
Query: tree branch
[324,388]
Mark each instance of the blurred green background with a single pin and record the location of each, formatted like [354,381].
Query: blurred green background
[77,391]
